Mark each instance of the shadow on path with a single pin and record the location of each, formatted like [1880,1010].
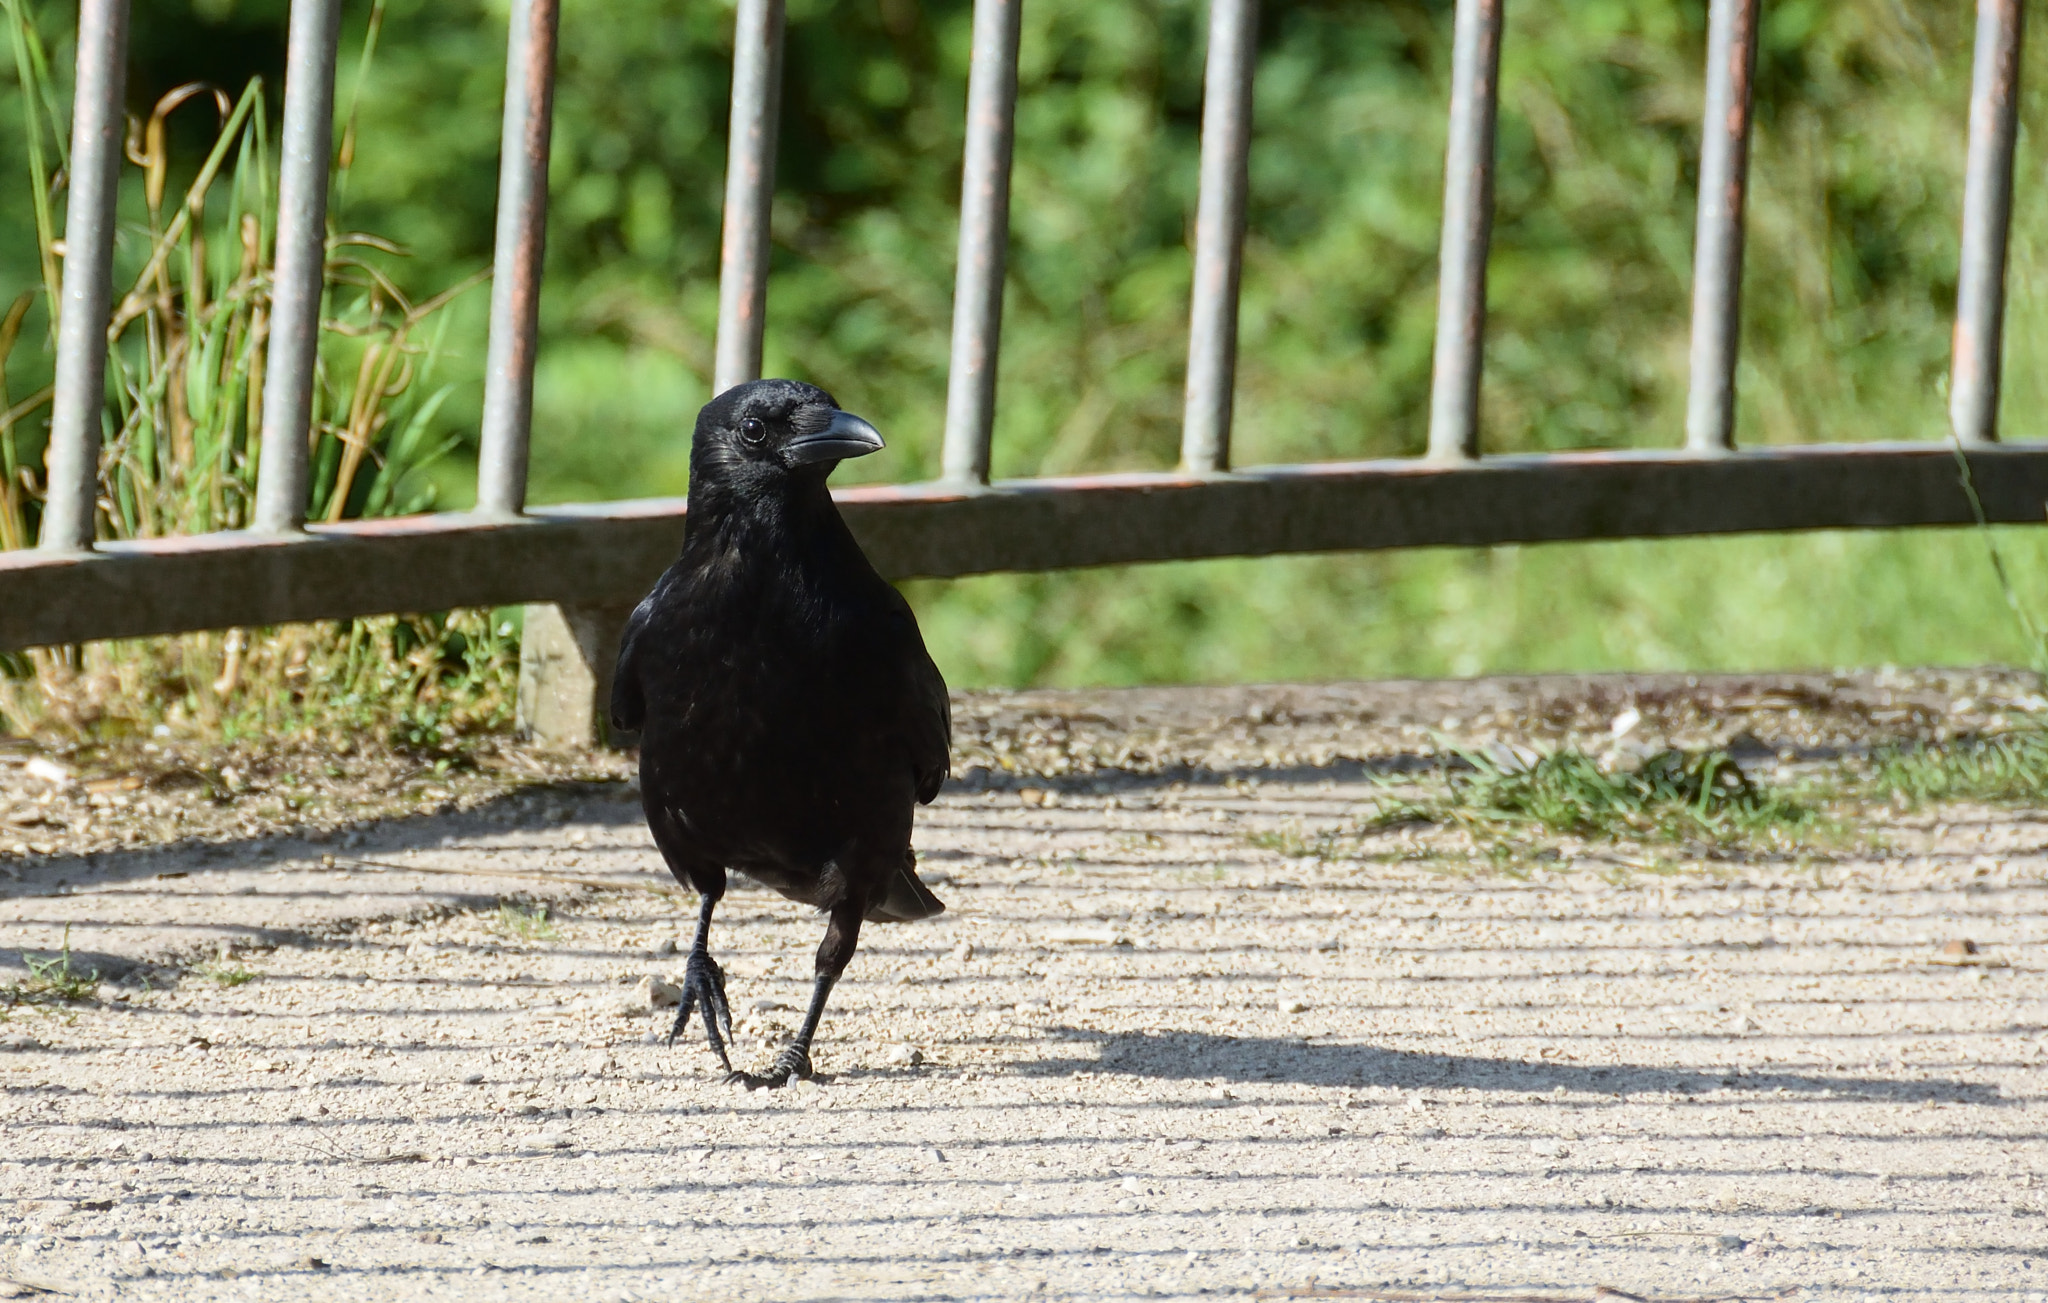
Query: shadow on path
[1182,1056]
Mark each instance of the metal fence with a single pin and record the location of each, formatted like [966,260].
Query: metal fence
[593,560]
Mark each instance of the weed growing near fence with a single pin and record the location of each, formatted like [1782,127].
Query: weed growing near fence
[188,340]
[2008,767]
[415,683]
[1674,796]
[190,333]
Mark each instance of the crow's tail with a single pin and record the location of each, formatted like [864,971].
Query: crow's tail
[905,899]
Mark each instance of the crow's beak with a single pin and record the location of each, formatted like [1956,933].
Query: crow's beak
[847,436]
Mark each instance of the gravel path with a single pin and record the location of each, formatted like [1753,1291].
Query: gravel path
[1144,1053]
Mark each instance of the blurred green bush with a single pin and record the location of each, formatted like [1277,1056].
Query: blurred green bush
[1854,214]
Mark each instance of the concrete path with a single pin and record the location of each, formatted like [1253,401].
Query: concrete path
[1145,1053]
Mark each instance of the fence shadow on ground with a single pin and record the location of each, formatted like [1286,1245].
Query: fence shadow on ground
[1185,1056]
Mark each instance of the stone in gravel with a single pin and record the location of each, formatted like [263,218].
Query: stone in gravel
[963,952]
[473,1079]
[654,993]
[1085,936]
[666,946]
[1293,1006]
[1959,947]
[905,1055]
[546,1140]
[48,770]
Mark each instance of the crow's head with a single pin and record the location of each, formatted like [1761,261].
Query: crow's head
[766,431]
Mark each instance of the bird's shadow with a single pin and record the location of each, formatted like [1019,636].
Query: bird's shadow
[1184,1056]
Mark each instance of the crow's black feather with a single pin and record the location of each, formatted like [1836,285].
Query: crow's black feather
[790,717]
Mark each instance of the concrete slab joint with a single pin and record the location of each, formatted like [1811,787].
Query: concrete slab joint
[566,655]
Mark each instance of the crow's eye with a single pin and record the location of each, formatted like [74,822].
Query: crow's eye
[752,430]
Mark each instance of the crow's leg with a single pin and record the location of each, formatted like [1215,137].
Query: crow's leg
[704,985]
[842,934]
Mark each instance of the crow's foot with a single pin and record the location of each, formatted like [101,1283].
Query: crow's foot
[704,988]
[793,1063]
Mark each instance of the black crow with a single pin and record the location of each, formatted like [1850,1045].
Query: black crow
[790,718]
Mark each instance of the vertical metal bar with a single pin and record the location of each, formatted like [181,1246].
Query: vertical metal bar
[308,151]
[749,191]
[1717,244]
[984,241]
[1219,234]
[73,461]
[1987,223]
[1467,232]
[521,247]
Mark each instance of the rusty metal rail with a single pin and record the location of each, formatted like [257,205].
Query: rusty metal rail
[594,559]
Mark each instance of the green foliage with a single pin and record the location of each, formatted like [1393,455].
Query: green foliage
[527,922]
[419,684]
[185,385]
[1857,188]
[52,979]
[2006,768]
[1673,796]
[189,334]
[1293,842]
[225,970]
[1852,246]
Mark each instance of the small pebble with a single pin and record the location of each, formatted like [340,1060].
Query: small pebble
[654,993]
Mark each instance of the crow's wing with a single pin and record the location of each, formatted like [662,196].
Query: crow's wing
[629,696]
[931,729]
[922,710]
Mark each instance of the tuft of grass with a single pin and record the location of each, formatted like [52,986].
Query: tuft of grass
[53,979]
[1293,842]
[416,684]
[527,922]
[226,970]
[2007,767]
[191,326]
[185,378]
[1674,796]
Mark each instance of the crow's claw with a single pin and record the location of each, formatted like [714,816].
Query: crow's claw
[793,1063]
[704,987]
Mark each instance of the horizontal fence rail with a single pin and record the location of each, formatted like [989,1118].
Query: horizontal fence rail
[594,556]
[612,552]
